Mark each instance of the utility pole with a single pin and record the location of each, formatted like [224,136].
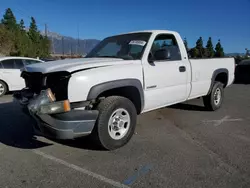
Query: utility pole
[46,30]
[63,46]
[78,42]
[71,53]
[52,43]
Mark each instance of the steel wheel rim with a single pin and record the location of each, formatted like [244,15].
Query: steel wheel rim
[1,89]
[217,96]
[119,124]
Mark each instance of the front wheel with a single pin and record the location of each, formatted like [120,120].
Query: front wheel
[213,101]
[116,122]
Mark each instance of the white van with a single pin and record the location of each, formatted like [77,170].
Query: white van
[10,79]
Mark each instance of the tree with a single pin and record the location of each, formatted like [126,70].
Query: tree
[14,40]
[34,36]
[238,59]
[21,25]
[194,53]
[199,47]
[6,42]
[186,43]
[33,31]
[44,46]
[9,20]
[209,48]
[247,53]
[219,51]
[23,43]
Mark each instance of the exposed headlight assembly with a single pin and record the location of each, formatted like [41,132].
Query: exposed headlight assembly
[55,107]
[45,97]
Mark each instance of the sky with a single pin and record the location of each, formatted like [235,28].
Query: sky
[227,20]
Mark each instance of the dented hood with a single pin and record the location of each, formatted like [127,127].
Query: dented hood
[71,65]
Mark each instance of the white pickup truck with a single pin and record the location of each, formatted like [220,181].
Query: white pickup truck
[123,76]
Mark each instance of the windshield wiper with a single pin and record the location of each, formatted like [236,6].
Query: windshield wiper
[110,56]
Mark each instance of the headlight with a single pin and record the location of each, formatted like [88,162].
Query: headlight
[55,107]
[45,97]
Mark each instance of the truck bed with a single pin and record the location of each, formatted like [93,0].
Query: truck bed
[202,71]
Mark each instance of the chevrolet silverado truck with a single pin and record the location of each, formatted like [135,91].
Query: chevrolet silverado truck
[123,76]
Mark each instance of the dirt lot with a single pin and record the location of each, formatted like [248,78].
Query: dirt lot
[180,146]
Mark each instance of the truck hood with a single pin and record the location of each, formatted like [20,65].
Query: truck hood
[71,65]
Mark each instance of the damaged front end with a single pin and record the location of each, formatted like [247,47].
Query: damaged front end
[45,100]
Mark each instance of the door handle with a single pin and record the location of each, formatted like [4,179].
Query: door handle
[182,68]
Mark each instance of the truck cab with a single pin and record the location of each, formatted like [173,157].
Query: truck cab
[167,68]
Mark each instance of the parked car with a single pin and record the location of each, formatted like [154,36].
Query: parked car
[242,72]
[123,76]
[10,74]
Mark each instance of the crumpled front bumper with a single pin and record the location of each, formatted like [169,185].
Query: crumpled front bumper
[68,125]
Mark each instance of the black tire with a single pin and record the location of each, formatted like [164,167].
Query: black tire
[210,99]
[106,109]
[4,87]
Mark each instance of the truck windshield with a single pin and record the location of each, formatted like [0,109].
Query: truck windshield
[127,46]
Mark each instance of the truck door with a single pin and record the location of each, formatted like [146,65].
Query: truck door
[165,78]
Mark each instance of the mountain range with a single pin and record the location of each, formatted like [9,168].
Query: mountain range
[68,45]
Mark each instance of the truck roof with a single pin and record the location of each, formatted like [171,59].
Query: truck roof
[149,31]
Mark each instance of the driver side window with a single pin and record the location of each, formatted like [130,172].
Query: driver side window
[165,47]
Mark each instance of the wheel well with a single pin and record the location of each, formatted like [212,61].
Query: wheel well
[222,77]
[5,84]
[129,92]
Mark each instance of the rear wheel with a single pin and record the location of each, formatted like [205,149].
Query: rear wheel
[3,88]
[213,101]
[116,122]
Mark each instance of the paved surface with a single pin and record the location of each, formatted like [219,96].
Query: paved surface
[179,146]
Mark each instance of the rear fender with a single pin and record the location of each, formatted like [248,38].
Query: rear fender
[215,73]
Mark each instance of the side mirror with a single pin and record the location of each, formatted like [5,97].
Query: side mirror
[151,58]
[162,54]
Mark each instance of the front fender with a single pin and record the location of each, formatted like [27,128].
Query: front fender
[81,84]
[96,90]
